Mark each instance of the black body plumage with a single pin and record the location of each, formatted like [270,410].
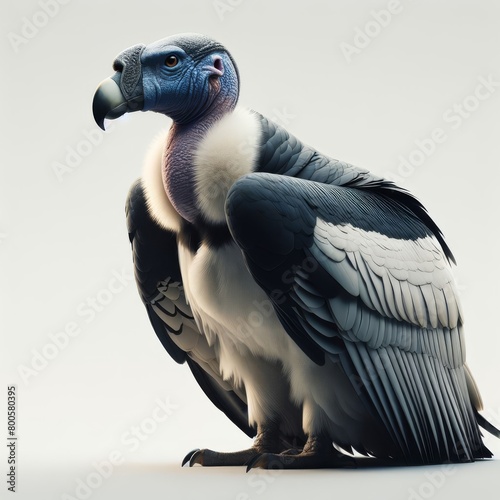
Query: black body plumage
[357,334]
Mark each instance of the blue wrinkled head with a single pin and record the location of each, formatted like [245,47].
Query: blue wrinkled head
[183,76]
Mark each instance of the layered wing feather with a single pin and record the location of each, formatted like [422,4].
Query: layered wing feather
[357,274]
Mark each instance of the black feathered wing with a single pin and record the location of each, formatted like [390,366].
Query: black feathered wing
[159,282]
[357,271]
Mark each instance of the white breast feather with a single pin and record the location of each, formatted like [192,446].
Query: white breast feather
[226,300]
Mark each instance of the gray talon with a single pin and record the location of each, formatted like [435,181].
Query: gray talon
[251,464]
[187,458]
[196,458]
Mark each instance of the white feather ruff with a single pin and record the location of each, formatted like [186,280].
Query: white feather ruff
[228,151]
[159,205]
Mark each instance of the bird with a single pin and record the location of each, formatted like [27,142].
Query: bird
[312,300]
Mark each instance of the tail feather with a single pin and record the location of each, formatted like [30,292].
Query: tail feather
[477,404]
[474,394]
[487,426]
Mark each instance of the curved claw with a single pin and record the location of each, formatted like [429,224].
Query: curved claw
[188,457]
[196,458]
[251,462]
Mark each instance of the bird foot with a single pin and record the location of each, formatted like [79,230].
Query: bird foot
[210,458]
[302,460]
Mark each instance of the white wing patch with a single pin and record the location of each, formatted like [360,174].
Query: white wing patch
[406,280]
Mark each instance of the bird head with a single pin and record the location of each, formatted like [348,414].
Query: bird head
[183,76]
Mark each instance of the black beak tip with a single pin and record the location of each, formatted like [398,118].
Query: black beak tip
[99,121]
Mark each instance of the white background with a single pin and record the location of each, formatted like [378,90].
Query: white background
[62,238]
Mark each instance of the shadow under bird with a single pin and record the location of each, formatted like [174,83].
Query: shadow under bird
[312,300]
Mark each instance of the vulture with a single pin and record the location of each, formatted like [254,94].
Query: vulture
[312,300]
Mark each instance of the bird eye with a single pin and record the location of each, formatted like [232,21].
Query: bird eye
[171,61]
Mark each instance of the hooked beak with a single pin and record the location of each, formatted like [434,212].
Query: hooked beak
[123,92]
[109,102]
